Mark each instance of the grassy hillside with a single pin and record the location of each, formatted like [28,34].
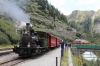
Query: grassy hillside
[7,32]
[43,16]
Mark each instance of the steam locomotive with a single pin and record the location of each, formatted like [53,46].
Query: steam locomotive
[32,43]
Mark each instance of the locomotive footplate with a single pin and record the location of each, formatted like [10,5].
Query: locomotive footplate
[24,50]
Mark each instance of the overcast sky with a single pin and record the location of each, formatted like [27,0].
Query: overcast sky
[67,6]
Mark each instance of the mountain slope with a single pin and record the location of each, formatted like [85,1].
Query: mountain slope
[42,15]
[81,20]
[87,23]
[80,16]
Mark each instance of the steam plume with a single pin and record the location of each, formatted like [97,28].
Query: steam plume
[10,8]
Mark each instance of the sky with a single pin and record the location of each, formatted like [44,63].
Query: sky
[67,6]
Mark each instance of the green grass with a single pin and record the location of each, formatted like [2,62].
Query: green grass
[77,61]
[65,59]
[6,46]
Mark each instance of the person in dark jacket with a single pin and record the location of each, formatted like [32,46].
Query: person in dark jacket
[62,48]
[66,45]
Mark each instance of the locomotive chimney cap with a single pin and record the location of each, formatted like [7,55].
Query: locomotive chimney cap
[27,23]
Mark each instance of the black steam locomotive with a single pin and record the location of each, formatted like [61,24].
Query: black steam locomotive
[32,43]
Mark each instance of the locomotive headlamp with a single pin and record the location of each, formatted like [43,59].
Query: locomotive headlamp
[28,44]
[18,44]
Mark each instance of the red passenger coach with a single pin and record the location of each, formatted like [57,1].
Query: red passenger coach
[58,42]
[51,40]
[48,40]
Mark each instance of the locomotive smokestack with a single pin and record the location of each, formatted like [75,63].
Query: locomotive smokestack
[28,27]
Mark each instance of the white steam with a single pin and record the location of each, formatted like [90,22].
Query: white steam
[11,9]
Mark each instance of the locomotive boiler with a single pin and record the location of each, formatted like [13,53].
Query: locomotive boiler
[34,42]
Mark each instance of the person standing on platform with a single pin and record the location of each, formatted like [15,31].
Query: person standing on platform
[62,48]
[66,46]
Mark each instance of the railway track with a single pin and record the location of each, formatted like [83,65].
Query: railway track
[5,51]
[12,62]
[18,60]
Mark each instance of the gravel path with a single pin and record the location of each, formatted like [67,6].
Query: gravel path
[48,59]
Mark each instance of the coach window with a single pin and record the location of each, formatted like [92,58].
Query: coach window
[42,36]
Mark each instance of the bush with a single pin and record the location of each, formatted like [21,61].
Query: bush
[7,30]
[4,38]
